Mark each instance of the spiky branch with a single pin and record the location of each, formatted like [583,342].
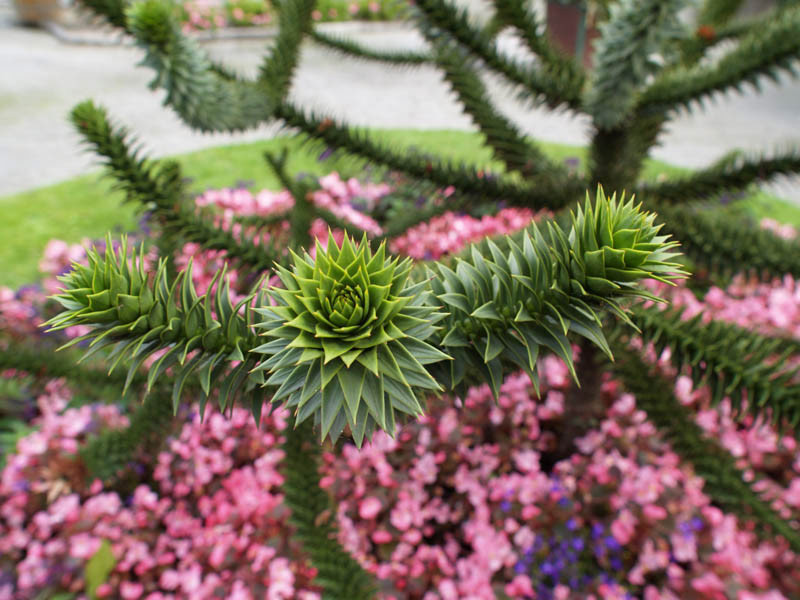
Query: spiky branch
[766,52]
[315,521]
[138,318]
[731,361]
[158,186]
[533,83]
[733,173]
[725,244]
[351,338]
[724,482]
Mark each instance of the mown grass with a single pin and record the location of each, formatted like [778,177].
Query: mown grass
[87,207]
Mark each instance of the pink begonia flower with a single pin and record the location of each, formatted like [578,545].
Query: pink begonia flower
[770,595]
[425,469]
[129,590]
[624,527]
[83,546]
[684,546]
[281,580]
[710,585]
[369,508]
[527,461]
[520,587]
[561,592]
[589,442]
[381,536]
[654,512]
[785,231]
[792,494]
[624,406]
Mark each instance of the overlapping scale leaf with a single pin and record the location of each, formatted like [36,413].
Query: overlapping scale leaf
[614,244]
[507,307]
[137,317]
[348,342]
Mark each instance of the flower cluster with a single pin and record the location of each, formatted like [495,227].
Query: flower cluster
[465,502]
[450,232]
[460,506]
[200,15]
[212,523]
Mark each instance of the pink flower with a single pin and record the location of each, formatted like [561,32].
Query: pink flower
[131,590]
[369,507]
[792,494]
[684,546]
[520,587]
[710,585]
[654,512]
[623,527]
[83,546]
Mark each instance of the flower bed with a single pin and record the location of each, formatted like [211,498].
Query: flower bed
[199,15]
[460,504]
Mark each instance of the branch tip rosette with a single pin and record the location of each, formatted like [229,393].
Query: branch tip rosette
[348,333]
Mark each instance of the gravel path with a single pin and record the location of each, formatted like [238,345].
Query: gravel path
[42,78]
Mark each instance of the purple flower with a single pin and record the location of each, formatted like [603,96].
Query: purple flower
[21,486]
[325,154]
[611,543]
[578,544]
[505,506]
[572,525]
[597,530]
[549,569]
[520,568]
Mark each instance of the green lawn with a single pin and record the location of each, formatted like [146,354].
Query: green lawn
[86,207]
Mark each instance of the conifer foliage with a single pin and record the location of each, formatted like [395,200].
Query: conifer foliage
[357,339]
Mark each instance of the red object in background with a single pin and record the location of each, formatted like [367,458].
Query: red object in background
[570,30]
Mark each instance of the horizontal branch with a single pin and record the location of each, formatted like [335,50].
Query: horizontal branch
[731,361]
[502,136]
[469,181]
[137,317]
[506,306]
[726,244]
[351,339]
[356,50]
[766,52]
[41,361]
[733,173]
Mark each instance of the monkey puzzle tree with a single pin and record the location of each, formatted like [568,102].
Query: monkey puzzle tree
[353,339]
